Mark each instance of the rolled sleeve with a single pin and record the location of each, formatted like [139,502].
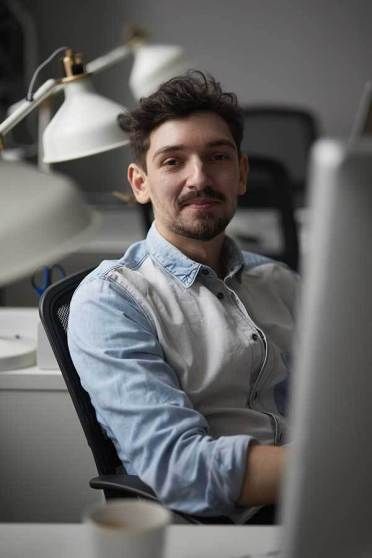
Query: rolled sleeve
[158,434]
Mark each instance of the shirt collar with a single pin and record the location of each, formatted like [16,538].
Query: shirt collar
[183,268]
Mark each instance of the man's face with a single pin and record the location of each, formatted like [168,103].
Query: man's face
[194,176]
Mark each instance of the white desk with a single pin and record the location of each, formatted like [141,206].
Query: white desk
[69,540]
[45,462]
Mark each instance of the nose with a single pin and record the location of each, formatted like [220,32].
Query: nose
[198,177]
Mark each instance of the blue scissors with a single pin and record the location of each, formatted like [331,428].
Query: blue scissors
[43,278]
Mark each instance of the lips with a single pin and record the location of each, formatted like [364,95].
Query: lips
[200,202]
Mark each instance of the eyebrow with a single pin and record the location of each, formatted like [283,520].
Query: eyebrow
[180,147]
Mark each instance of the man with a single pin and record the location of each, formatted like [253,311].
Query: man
[183,343]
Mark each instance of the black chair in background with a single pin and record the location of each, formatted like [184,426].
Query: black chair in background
[269,187]
[54,311]
[283,133]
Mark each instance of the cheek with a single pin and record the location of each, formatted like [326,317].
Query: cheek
[165,191]
[227,180]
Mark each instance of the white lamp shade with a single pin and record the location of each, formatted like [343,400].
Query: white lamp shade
[43,217]
[153,65]
[85,124]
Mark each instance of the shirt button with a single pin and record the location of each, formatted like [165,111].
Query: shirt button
[205,271]
[254,336]
[220,295]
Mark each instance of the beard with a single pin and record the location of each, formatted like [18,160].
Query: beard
[204,228]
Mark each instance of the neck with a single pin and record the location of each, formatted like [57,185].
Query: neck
[207,252]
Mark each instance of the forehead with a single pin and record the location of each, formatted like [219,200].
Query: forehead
[195,130]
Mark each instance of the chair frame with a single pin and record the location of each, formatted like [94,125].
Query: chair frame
[309,123]
[102,448]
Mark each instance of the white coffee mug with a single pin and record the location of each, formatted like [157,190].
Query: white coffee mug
[127,528]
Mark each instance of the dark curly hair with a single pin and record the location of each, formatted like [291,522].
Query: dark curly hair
[179,97]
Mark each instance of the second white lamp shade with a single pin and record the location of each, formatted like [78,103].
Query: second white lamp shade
[154,64]
[85,124]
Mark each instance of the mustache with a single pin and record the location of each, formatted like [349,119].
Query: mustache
[207,192]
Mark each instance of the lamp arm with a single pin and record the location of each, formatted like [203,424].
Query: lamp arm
[109,59]
[26,107]
[52,86]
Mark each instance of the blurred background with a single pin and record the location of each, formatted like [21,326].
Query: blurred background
[313,57]
[313,54]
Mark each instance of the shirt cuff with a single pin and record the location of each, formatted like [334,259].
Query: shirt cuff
[227,473]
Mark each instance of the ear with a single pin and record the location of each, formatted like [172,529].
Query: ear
[243,174]
[138,181]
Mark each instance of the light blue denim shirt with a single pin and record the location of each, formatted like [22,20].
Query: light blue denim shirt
[186,369]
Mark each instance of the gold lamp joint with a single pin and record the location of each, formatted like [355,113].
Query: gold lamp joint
[73,66]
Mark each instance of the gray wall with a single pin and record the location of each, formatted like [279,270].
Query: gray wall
[315,54]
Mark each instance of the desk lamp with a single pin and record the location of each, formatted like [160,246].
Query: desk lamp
[52,219]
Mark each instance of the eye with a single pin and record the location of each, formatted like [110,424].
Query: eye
[220,156]
[170,162]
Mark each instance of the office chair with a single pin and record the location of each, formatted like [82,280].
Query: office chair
[283,133]
[268,187]
[54,311]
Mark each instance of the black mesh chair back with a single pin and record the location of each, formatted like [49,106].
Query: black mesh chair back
[269,187]
[54,309]
[282,133]
[54,313]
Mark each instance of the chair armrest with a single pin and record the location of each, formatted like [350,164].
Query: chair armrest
[129,485]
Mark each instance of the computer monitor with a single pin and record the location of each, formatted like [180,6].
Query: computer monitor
[327,497]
